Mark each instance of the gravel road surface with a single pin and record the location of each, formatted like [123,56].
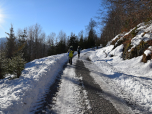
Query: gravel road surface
[99,105]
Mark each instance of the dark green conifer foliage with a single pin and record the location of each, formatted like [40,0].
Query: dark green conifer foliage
[51,50]
[16,65]
[22,45]
[91,36]
[10,44]
[85,42]
[3,66]
[81,41]
[73,42]
[91,40]
[10,66]
[61,47]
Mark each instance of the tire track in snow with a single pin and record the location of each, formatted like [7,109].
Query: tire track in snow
[99,105]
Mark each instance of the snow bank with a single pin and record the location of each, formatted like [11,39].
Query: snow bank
[144,34]
[129,79]
[19,95]
[147,52]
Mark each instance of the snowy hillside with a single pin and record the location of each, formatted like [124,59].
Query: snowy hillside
[135,42]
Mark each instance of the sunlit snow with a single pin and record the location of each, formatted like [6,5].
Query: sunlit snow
[128,80]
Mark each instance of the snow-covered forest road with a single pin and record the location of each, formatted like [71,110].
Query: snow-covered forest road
[77,92]
[95,82]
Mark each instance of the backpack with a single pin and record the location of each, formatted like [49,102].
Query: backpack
[79,49]
[71,53]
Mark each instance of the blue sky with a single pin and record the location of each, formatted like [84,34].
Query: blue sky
[53,15]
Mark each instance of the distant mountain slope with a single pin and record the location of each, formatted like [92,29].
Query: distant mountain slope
[136,42]
[3,40]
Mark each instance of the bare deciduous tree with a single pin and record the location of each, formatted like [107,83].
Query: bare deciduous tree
[123,15]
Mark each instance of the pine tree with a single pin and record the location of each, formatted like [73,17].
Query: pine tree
[22,45]
[30,44]
[91,40]
[10,44]
[16,65]
[51,48]
[81,41]
[91,36]
[73,41]
[3,65]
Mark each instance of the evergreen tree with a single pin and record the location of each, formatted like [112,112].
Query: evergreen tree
[22,45]
[85,42]
[10,44]
[3,65]
[36,48]
[51,46]
[16,65]
[30,43]
[91,36]
[42,50]
[51,50]
[73,42]
[19,64]
[91,39]
[81,41]
[61,45]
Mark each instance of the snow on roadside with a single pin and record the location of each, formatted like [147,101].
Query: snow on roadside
[19,95]
[129,79]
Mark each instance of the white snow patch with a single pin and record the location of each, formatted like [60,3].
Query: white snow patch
[147,52]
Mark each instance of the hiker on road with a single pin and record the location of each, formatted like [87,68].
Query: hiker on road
[78,50]
[70,53]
